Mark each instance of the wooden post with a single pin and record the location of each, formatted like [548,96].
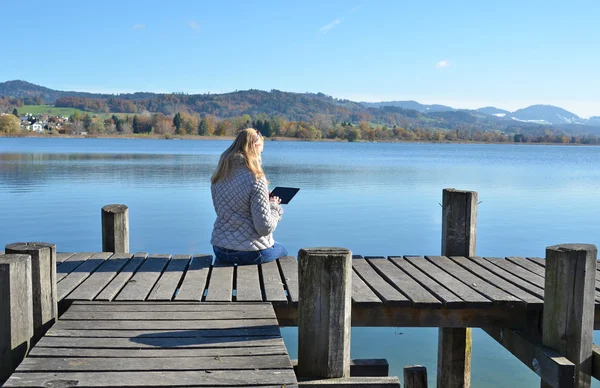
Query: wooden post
[16,311]
[568,317]
[324,303]
[115,229]
[415,376]
[459,226]
[43,280]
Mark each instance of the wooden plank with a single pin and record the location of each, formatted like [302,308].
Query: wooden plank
[362,295]
[497,280]
[162,325]
[389,295]
[527,264]
[273,284]
[94,284]
[247,284]
[194,281]
[70,264]
[167,284]
[138,287]
[164,307]
[418,295]
[472,298]
[352,382]
[62,256]
[75,278]
[518,271]
[509,277]
[150,352]
[480,285]
[289,269]
[161,316]
[163,378]
[237,332]
[155,343]
[542,263]
[115,286]
[538,260]
[553,368]
[81,364]
[220,284]
[364,367]
[449,299]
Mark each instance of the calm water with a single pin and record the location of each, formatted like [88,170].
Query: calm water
[375,199]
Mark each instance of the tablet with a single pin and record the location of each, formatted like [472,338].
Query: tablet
[284,193]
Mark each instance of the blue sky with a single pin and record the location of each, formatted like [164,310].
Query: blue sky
[466,54]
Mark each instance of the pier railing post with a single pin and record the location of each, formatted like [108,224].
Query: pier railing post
[324,303]
[459,230]
[568,317]
[43,280]
[16,311]
[415,376]
[115,229]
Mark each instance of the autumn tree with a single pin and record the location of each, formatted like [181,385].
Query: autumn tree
[177,121]
[9,124]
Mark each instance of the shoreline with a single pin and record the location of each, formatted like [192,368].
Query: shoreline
[230,138]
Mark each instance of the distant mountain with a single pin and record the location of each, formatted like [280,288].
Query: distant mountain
[546,114]
[409,105]
[26,90]
[492,111]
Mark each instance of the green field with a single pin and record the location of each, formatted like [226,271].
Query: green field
[47,109]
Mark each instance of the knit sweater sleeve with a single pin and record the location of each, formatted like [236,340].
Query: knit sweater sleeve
[265,214]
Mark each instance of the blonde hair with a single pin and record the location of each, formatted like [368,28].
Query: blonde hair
[245,144]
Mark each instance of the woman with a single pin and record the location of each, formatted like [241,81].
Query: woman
[246,215]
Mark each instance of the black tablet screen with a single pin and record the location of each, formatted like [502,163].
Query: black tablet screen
[284,193]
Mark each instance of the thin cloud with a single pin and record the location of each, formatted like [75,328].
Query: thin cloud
[193,25]
[442,64]
[330,26]
[139,26]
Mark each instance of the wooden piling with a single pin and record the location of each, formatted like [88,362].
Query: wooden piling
[459,231]
[115,229]
[415,376]
[43,280]
[16,311]
[324,303]
[568,317]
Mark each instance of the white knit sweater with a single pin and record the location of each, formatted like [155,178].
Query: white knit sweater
[246,218]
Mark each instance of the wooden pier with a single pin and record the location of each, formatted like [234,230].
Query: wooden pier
[151,314]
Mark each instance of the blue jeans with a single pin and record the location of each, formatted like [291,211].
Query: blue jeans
[229,256]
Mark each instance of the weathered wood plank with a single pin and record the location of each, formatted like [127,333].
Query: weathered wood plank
[75,278]
[220,285]
[162,325]
[171,316]
[418,295]
[115,286]
[155,343]
[352,382]
[471,297]
[70,264]
[509,277]
[163,378]
[165,287]
[80,364]
[151,352]
[497,280]
[194,281]
[490,291]
[415,376]
[196,333]
[247,284]
[389,295]
[173,306]
[362,295]
[139,286]
[518,271]
[273,284]
[94,284]
[62,256]
[364,367]
[527,264]
[289,269]
[449,299]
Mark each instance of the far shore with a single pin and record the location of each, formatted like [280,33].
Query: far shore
[230,138]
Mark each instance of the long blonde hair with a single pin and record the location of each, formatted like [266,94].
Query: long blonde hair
[245,144]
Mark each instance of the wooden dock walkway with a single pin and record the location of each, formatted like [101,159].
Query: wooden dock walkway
[431,291]
[100,344]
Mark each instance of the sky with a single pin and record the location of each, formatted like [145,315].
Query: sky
[465,54]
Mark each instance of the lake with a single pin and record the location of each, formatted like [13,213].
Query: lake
[373,198]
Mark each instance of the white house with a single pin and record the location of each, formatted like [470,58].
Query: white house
[37,127]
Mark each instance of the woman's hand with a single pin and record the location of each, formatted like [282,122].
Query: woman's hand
[275,199]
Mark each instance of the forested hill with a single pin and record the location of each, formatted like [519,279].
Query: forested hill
[317,108]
